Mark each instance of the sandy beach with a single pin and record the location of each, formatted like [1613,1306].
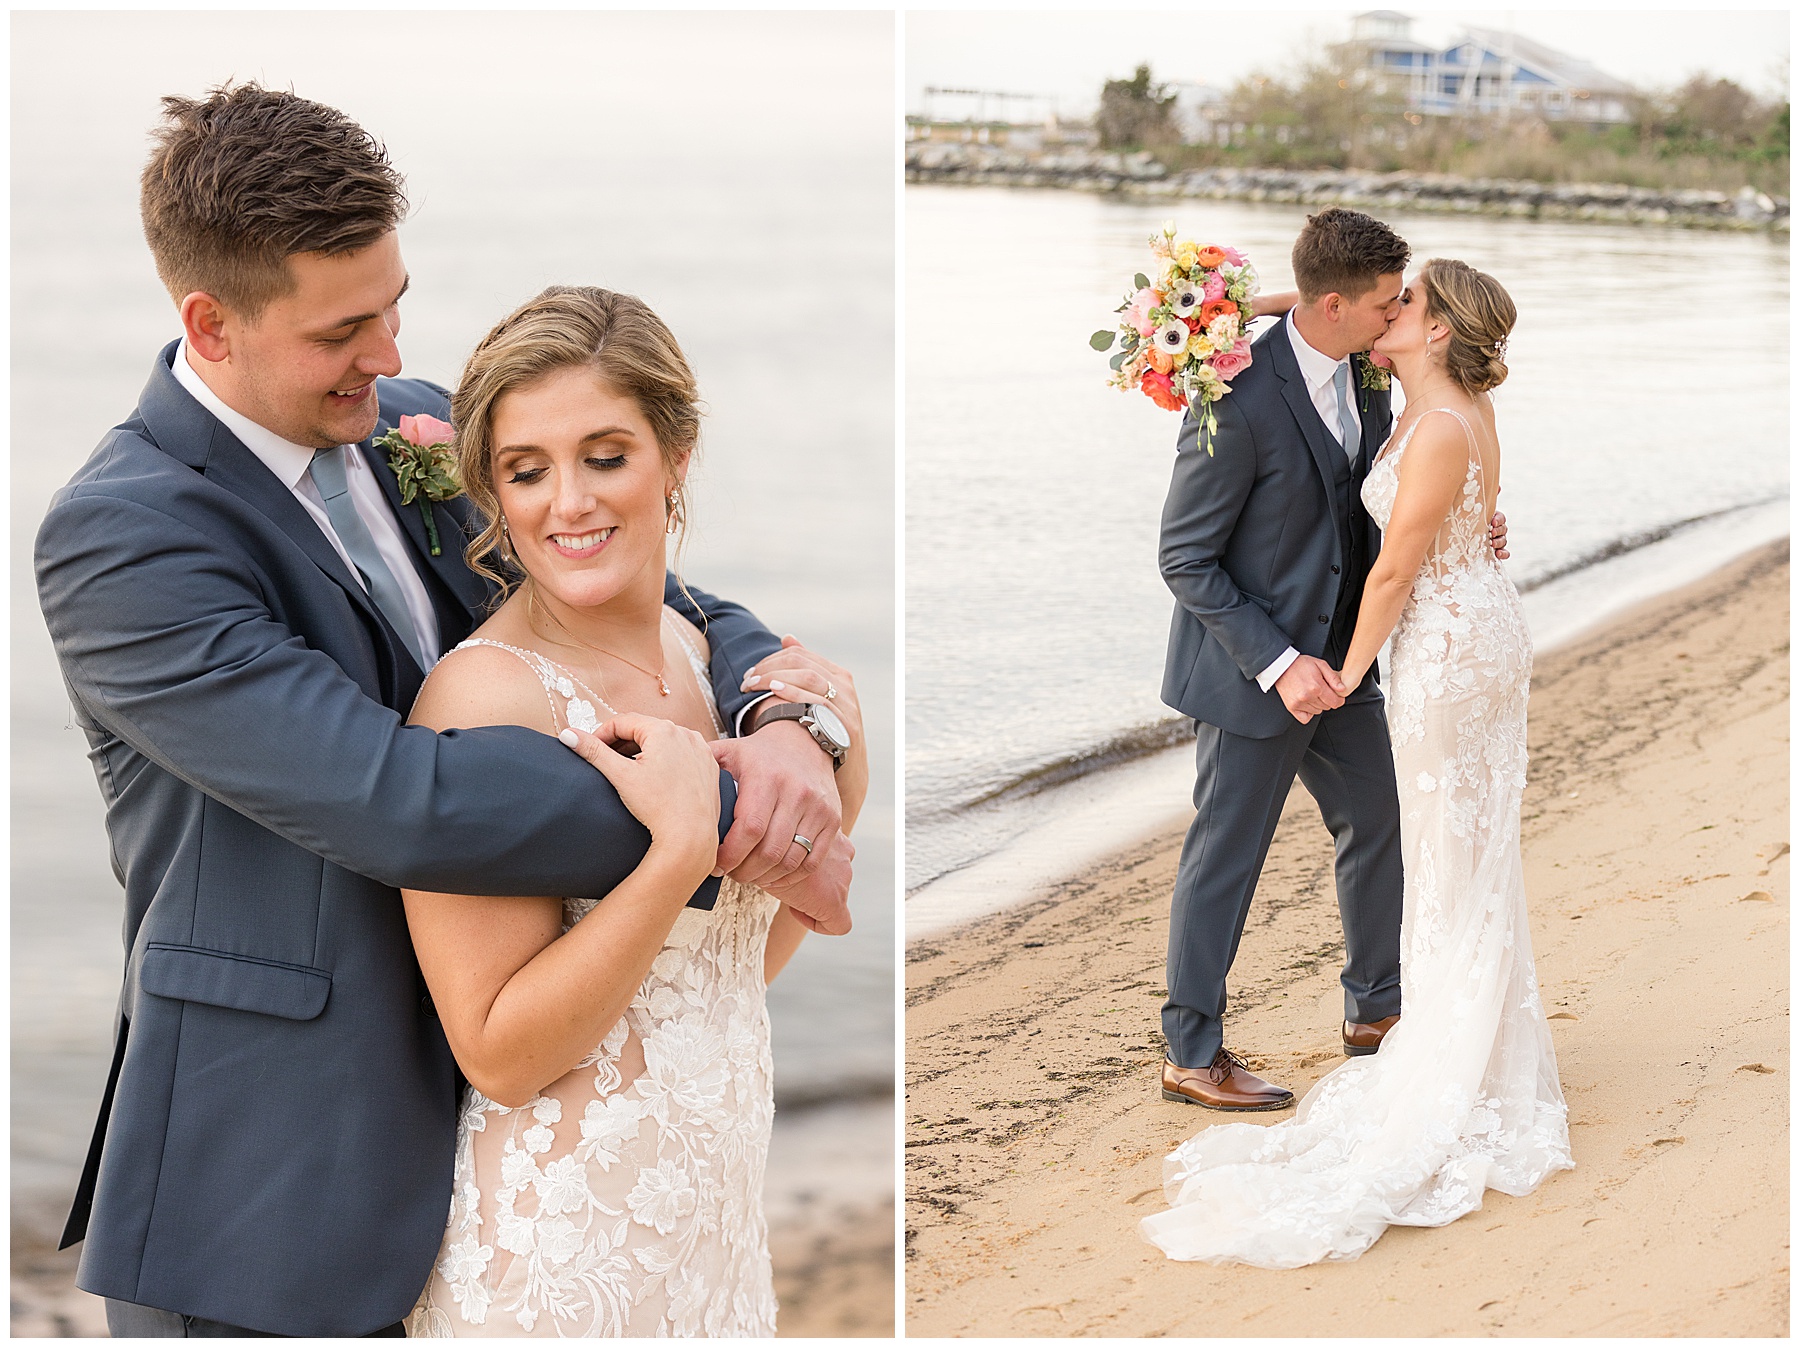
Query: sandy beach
[1656,855]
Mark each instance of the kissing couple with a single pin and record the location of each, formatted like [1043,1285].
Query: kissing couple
[1312,531]
[429,1021]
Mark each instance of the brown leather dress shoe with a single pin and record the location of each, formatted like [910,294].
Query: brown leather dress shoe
[1362,1040]
[1227,1084]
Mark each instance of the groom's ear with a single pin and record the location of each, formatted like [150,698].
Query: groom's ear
[203,320]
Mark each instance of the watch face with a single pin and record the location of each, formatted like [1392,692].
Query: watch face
[832,724]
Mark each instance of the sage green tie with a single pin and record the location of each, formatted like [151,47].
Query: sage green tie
[1352,441]
[328,475]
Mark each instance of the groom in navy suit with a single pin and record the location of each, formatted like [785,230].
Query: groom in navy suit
[243,613]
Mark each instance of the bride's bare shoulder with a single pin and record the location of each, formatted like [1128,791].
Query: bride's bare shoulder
[690,633]
[477,685]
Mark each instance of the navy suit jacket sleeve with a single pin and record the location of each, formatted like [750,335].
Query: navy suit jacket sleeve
[1206,497]
[170,637]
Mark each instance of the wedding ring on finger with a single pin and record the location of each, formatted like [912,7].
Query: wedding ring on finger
[830,691]
[804,842]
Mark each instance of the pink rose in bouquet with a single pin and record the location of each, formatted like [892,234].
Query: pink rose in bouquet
[1139,313]
[1230,364]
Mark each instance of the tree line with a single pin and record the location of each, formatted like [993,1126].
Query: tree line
[1706,133]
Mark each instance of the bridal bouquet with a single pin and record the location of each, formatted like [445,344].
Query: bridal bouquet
[1183,338]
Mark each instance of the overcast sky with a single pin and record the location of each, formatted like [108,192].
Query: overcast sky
[1067,53]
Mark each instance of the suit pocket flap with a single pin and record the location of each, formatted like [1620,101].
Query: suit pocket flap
[192,974]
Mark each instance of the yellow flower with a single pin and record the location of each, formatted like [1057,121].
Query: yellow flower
[1200,345]
[1186,254]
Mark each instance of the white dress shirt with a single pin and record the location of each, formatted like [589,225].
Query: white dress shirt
[1320,373]
[290,463]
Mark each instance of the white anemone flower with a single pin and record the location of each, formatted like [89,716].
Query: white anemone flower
[1185,297]
[1172,337]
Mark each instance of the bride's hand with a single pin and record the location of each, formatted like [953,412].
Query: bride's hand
[1273,304]
[796,674]
[670,785]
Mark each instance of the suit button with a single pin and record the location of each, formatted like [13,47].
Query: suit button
[1324,618]
[1334,568]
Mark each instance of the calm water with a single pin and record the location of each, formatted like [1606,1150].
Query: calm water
[1036,619]
[749,200]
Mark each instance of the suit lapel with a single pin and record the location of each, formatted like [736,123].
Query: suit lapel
[457,592]
[187,432]
[1377,420]
[1318,439]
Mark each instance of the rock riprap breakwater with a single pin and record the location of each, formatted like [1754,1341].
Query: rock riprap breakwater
[1141,175]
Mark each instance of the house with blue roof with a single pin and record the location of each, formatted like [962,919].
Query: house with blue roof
[1483,72]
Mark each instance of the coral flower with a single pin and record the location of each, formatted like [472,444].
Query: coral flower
[1210,256]
[1160,361]
[1160,389]
[1213,309]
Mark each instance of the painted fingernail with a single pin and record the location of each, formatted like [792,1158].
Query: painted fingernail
[569,737]
[776,686]
[717,872]
[752,681]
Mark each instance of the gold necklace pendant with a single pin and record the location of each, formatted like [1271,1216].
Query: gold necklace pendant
[531,608]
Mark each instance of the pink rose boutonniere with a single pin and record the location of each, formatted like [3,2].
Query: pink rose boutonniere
[421,453]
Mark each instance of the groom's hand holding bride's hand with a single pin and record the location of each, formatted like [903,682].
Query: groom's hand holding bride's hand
[1308,688]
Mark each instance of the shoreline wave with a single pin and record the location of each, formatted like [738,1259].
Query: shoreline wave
[1152,737]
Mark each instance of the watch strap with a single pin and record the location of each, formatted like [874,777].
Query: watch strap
[796,711]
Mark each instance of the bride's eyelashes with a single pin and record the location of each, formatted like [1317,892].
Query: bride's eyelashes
[526,476]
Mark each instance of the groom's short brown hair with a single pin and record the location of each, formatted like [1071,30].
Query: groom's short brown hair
[245,177]
[1344,252]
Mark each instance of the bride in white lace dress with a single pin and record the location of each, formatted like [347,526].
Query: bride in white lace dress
[613,1136]
[1463,1095]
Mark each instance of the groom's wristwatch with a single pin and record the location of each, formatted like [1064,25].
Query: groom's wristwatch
[820,721]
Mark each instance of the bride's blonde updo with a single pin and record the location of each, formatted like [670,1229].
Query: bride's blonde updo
[616,336]
[1478,312]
